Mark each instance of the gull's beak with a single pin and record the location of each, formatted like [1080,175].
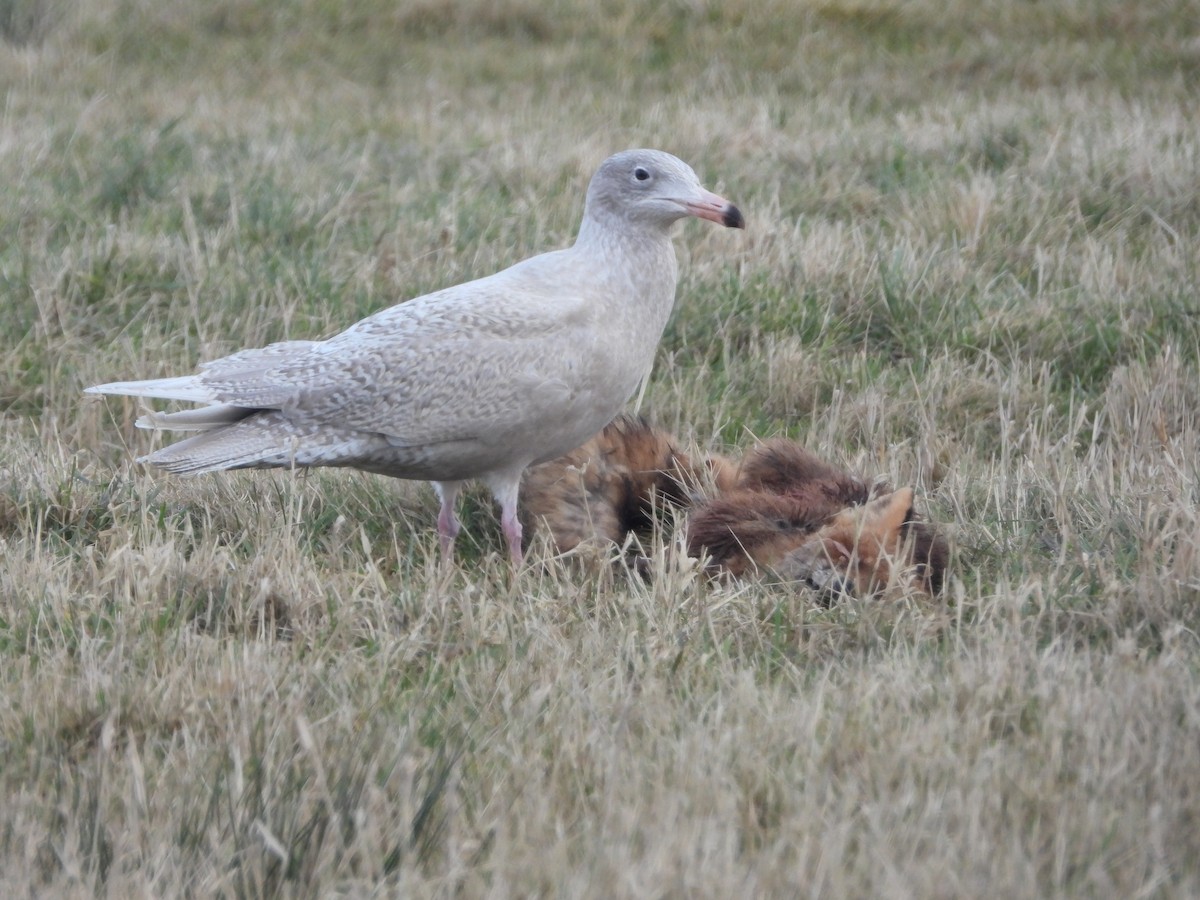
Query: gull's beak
[715,208]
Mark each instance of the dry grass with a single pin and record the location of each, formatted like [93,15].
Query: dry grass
[971,267]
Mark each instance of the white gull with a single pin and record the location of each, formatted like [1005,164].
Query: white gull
[476,381]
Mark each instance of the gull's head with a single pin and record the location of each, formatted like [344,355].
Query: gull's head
[652,188]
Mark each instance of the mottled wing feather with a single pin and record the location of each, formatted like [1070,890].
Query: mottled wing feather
[440,368]
[250,362]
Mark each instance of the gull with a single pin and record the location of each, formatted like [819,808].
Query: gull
[473,382]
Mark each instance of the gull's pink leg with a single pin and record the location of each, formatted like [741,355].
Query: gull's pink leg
[505,487]
[448,526]
[511,526]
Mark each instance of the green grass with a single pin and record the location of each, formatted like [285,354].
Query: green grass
[970,267]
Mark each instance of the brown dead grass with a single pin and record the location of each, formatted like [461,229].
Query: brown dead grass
[970,268]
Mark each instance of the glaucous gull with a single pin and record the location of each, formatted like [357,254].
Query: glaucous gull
[476,381]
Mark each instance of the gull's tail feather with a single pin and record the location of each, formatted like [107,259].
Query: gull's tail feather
[205,418]
[263,441]
[184,387]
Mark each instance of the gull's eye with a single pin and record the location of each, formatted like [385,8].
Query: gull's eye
[641,173]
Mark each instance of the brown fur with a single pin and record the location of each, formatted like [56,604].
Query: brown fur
[780,466]
[744,529]
[806,520]
[862,549]
[609,486]
[782,510]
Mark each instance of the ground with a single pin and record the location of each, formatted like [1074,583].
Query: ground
[970,267]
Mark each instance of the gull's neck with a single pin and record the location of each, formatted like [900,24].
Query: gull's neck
[605,233]
[636,260]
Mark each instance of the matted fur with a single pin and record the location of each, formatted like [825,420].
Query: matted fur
[610,486]
[781,510]
[806,520]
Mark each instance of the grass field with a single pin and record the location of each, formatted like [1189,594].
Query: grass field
[971,266]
